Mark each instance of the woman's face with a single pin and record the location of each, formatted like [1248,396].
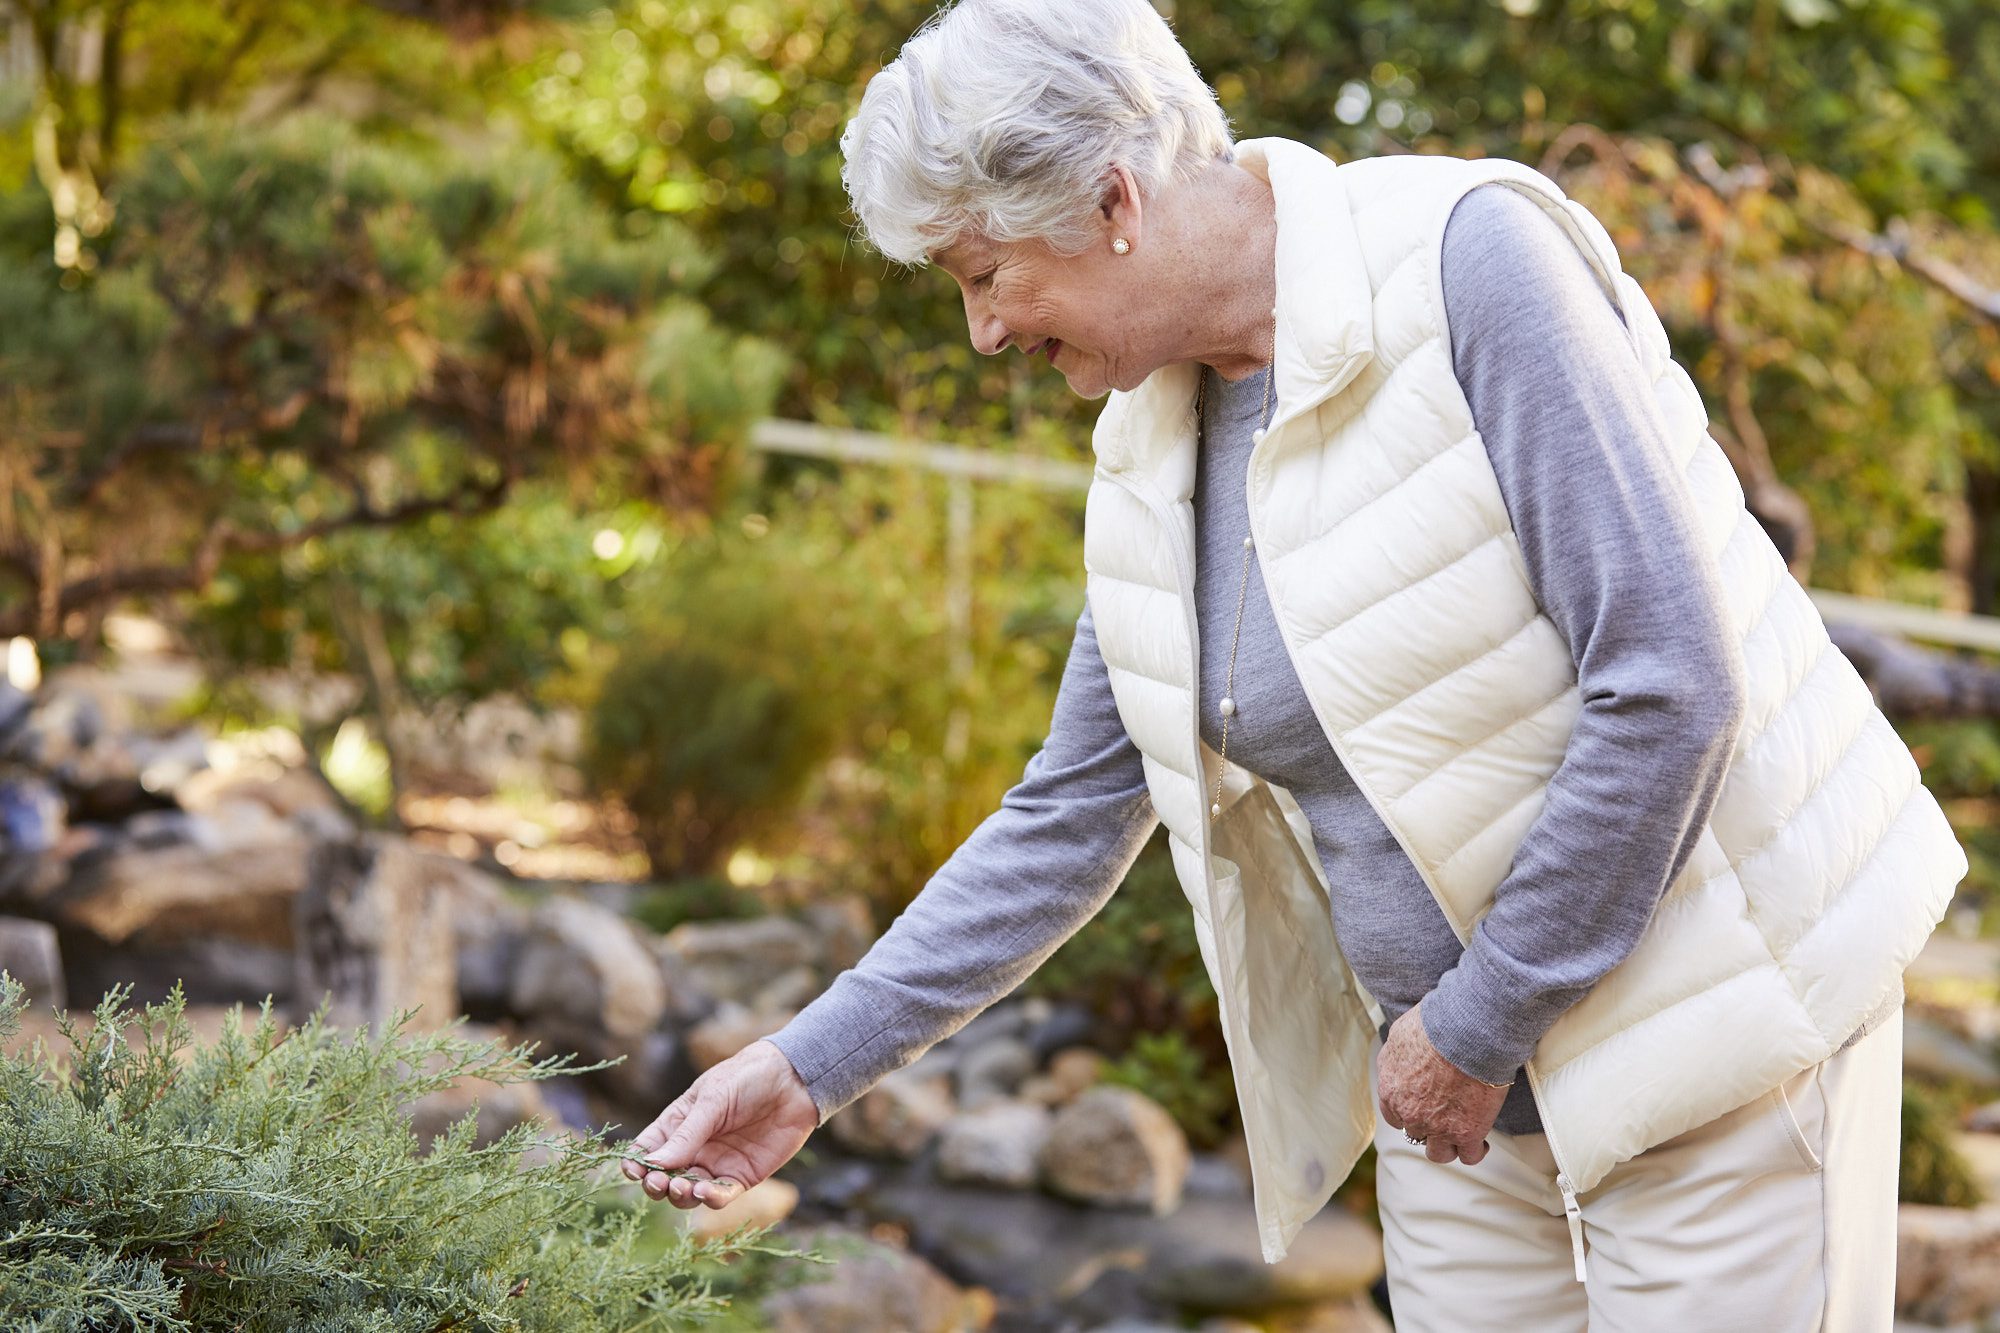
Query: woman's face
[1075,311]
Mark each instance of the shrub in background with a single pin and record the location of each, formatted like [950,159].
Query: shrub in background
[1932,1170]
[270,1182]
[709,720]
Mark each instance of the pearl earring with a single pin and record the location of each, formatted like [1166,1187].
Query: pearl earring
[1121,246]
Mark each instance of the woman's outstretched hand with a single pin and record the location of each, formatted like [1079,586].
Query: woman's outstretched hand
[736,1124]
[1431,1097]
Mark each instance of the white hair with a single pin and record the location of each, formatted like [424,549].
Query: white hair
[1004,117]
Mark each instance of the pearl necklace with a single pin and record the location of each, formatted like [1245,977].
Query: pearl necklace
[1228,707]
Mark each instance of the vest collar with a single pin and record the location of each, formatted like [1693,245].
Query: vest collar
[1325,319]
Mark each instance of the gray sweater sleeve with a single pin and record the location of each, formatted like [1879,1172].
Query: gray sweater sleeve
[1608,535]
[1032,873]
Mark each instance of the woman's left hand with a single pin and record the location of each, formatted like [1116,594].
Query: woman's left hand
[1428,1095]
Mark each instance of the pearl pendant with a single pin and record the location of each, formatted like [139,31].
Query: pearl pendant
[1215,809]
[1229,708]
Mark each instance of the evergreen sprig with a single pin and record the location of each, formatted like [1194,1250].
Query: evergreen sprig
[271,1181]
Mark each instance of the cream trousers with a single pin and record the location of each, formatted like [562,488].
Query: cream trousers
[1778,1216]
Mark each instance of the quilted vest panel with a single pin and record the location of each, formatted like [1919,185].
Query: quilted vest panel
[1450,697]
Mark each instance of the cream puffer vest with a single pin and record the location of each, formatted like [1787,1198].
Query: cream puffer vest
[1399,590]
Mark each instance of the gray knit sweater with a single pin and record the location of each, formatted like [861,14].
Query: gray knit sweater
[1578,445]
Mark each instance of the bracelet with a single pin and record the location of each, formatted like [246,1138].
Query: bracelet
[1508,1084]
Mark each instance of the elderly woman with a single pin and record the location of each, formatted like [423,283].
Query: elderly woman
[1533,829]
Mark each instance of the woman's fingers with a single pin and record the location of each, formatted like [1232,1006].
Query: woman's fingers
[654,1135]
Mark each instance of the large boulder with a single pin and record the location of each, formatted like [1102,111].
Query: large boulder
[1935,1051]
[1948,1264]
[1116,1146]
[993,1071]
[154,897]
[871,1287]
[896,1118]
[728,1030]
[1202,1258]
[374,933]
[29,953]
[736,960]
[489,931]
[844,929]
[1071,1071]
[1000,1143]
[586,979]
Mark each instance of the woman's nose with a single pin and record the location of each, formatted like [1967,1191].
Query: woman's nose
[989,334]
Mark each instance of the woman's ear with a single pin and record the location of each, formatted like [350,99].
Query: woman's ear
[1122,213]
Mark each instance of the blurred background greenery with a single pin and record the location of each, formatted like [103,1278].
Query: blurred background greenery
[420,345]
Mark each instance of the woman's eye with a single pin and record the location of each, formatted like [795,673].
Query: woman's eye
[983,278]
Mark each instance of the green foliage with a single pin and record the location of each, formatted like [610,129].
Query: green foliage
[697,898]
[1932,1169]
[831,584]
[1167,1067]
[713,716]
[269,1181]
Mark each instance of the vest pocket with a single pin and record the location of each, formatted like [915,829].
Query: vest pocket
[1788,1121]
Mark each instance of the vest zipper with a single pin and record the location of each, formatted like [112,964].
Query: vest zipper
[1571,1210]
[1575,1216]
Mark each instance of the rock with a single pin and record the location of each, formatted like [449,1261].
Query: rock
[66,720]
[656,1070]
[38,845]
[1000,1143]
[1982,1154]
[767,1203]
[897,1117]
[1071,1071]
[733,960]
[993,1070]
[32,815]
[1947,957]
[1206,1257]
[1947,1263]
[374,933]
[1075,1070]
[835,1184]
[152,829]
[792,990]
[844,929]
[1118,1147]
[1111,1262]
[210,971]
[587,973]
[15,705]
[1065,1024]
[285,792]
[871,1288]
[1216,1176]
[1931,1050]
[489,932]
[1007,1018]
[728,1030]
[243,892]
[29,953]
